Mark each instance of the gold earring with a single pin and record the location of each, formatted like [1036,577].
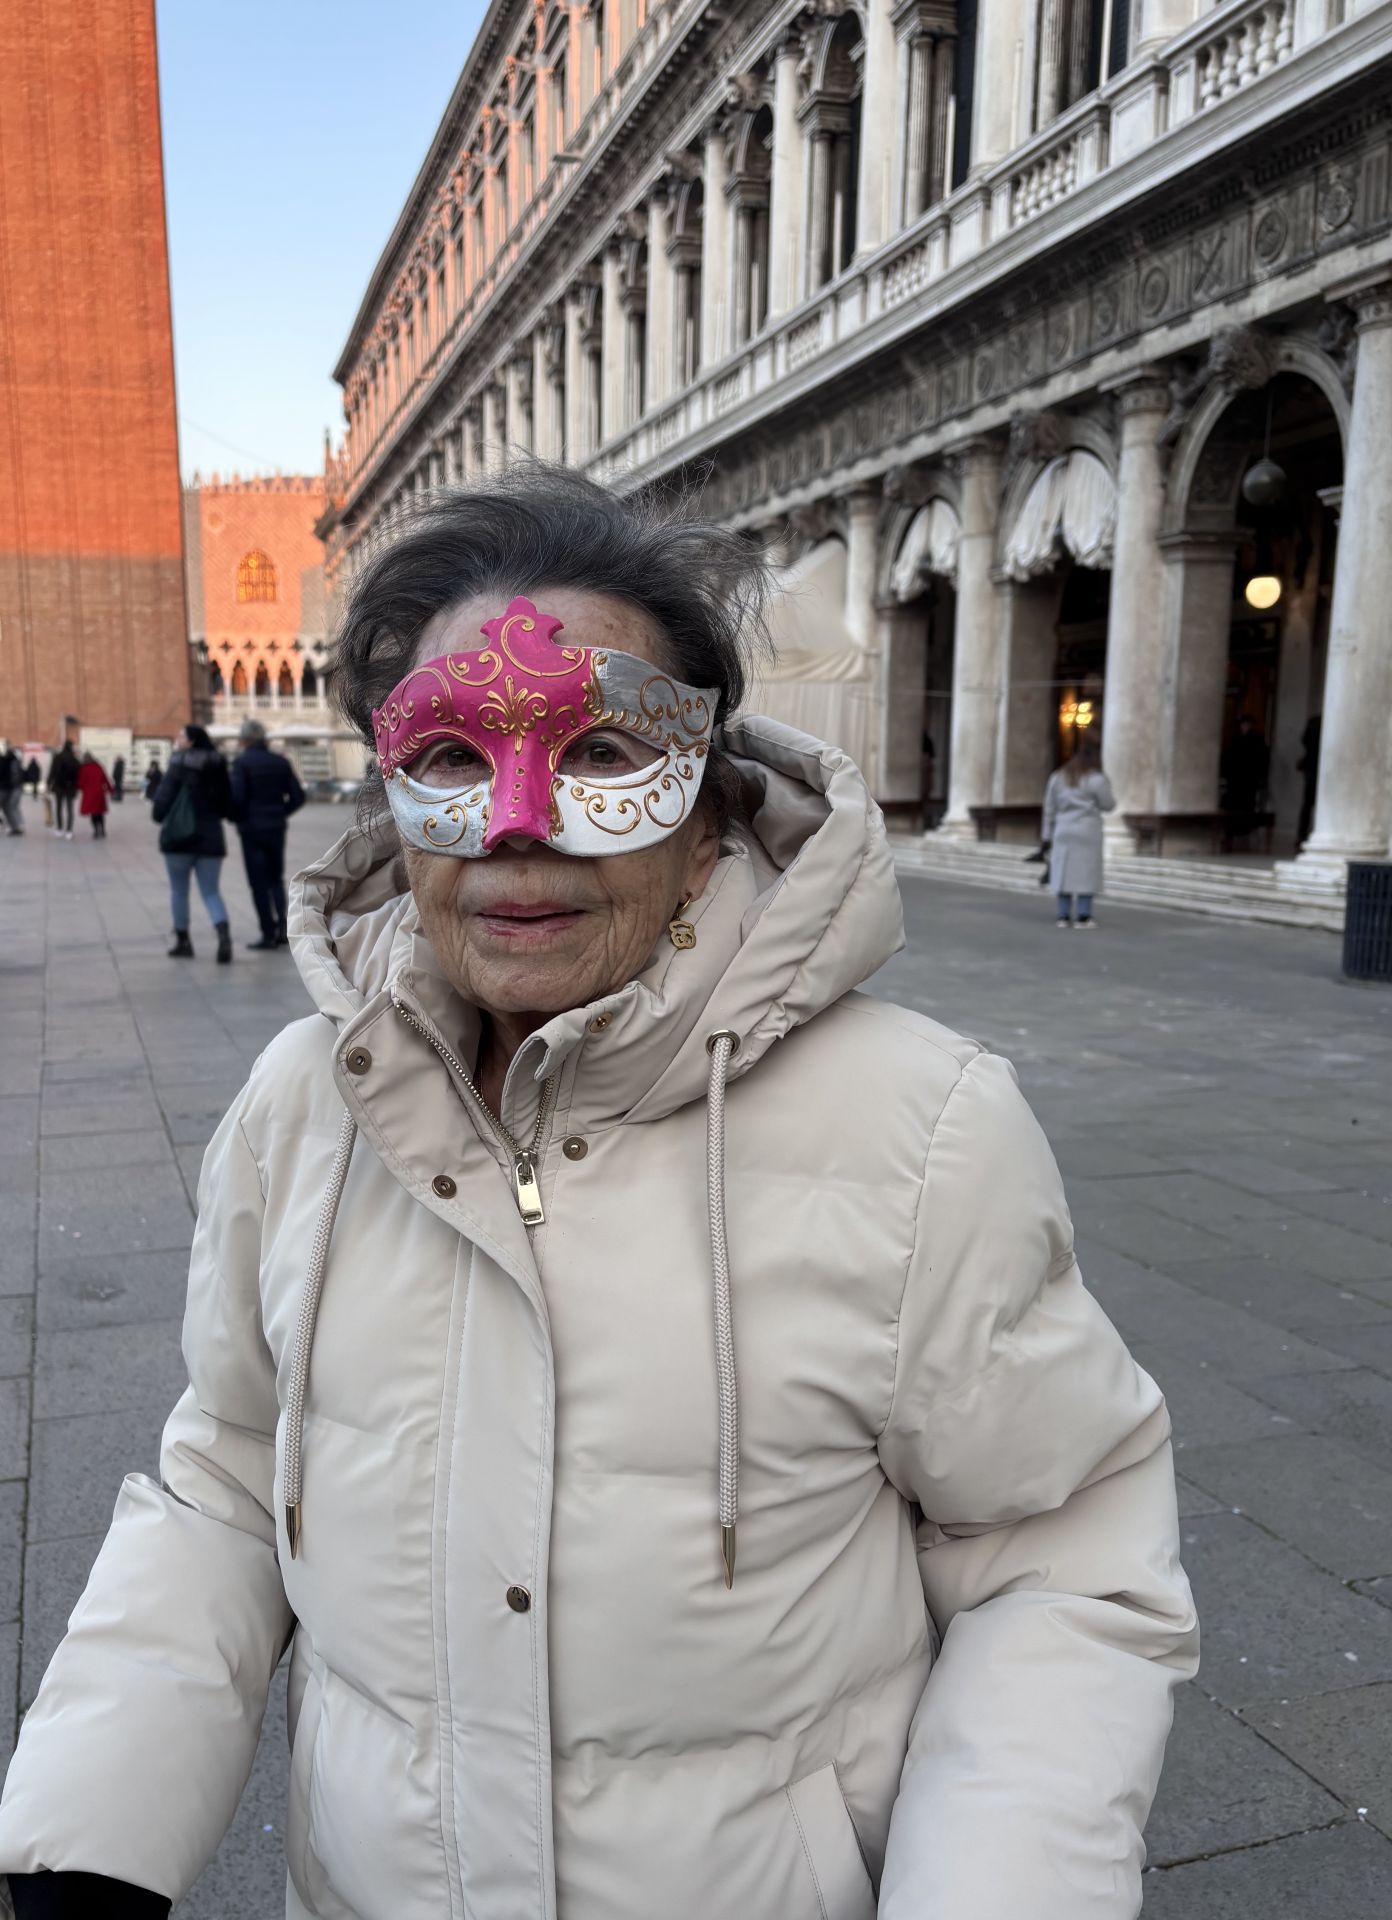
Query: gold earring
[680,931]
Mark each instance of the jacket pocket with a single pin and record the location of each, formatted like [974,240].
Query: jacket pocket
[831,1848]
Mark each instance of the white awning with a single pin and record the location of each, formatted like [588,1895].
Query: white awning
[929,546]
[1070,509]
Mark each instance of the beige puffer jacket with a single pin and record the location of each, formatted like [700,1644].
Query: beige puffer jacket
[520,1687]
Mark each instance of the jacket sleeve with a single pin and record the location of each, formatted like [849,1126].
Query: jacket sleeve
[236,791]
[294,792]
[133,1757]
[1106,799]
[1038,1455]
[1050,809]
[79,1896]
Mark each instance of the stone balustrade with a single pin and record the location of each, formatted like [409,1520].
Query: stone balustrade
[1260,38]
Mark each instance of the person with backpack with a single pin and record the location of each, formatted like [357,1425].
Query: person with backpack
[193,800]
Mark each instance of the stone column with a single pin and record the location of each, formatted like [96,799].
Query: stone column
[976,665]
[1131,706]
[1026,746]
[900,675]
[939,159]
[862,540]
[518,393]
[1160,20]
[997,124]
[919,125]
[1197,603]
[614,393]
[879,131]
[788,189]
[577,412]
[494,429]
[453,463]
[818,209]
[660,291]
[715,252]
[741,288]
[1053,20]
[1353,803]
[546,429]
[1294,673]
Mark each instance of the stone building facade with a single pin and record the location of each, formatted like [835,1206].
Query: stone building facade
[91,584]
[980,314]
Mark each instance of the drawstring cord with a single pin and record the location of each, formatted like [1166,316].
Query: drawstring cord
[304,1332]
[721,1046]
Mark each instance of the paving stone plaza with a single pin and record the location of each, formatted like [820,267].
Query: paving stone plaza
[1221,1104]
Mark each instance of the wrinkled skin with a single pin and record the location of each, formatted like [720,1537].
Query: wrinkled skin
[610,912]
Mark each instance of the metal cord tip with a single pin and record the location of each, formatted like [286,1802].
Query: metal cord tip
[292,1528]
[727,1554]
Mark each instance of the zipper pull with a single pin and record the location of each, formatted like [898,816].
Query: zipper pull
[528,1190]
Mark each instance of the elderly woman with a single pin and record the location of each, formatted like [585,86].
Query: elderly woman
[646,1381]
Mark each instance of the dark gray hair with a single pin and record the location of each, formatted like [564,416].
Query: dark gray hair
[253,731]
[704,586]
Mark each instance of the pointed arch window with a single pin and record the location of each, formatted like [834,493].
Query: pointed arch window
[286,684]
[263,682]
[256,577]
[239,678]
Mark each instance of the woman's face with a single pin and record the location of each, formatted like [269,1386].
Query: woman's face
[527,930]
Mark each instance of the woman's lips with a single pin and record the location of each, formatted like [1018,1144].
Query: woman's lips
[529,924]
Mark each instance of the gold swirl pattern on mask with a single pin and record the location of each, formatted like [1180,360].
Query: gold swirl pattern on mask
[457,814]
[678,722]
[520,623]
[619,807]
[514,712]
[474,669]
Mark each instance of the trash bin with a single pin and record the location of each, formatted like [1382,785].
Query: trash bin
[1368,921]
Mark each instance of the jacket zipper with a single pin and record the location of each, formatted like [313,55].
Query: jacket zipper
[526,1185]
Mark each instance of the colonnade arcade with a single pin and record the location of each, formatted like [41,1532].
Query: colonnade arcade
[1114,567]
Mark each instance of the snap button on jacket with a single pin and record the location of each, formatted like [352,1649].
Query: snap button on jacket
[520,1688]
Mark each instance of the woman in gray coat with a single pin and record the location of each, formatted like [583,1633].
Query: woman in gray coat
[1077,796]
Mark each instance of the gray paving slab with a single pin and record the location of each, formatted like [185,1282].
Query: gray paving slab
[1379,1589]
[14,1428]
[1341,1873]
[1316,1494]
[9,1694]
[1290,1297]
[1340,1739]
[70,1154]
[1369,1345]
[1275,1626]
[1354,1406]
[12,1496]
[103,1369]
[1224,1787]
[78,1464]
[94,1290]
[1365,1211]
[1206,1409]
[16,1334]
[1332,1252]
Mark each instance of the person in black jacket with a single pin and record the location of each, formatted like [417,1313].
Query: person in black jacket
[62,784]
[196,765]
[265,792]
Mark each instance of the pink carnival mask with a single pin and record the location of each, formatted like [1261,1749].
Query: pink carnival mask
[591,751]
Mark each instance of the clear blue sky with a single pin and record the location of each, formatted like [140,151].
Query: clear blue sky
[292,131]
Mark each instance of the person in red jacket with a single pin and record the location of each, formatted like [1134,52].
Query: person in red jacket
[94,786]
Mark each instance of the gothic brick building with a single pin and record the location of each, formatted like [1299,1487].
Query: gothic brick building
[92,624]
[255,569]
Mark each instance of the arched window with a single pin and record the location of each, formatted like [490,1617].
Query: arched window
[286,684]
[215,686]
[263,682]
[256,577]
[239,679]
[309,681]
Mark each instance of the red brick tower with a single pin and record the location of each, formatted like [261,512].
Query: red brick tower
[92,617]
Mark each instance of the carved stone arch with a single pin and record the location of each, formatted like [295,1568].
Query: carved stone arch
[1199,484]
[818,520]
[829,68]
[749,156]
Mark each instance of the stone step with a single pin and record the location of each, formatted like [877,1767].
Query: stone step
[1184,886]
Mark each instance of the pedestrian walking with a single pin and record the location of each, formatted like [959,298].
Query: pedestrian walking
[191,803]
[626,1361]
[33,777]
[265,792]
[62,784]
[1244,771]
[153,776]
[1077,796]
[12,792]
[118,778]
[94,786]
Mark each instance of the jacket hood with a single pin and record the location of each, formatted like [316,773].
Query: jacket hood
[803,907]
